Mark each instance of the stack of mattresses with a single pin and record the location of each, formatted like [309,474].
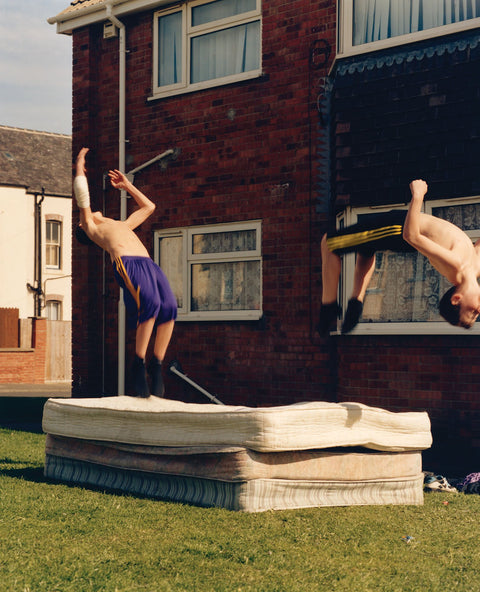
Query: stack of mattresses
[239,458]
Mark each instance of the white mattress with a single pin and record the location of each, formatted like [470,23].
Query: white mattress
[302,426]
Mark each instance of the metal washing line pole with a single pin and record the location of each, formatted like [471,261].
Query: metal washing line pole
[123,194]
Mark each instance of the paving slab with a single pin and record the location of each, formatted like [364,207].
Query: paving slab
[43,391]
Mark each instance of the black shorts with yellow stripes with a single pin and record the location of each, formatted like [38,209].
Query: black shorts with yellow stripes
[373,232]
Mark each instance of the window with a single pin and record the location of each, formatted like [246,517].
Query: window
[215,271]
[367,25]
[54,310]
[202,44]
[53,244]
[403,294]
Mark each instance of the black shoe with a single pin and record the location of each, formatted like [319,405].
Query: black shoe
[352,316]
[155,371]
[139,378]
[328,318]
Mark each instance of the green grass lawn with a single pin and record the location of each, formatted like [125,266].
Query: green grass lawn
[55,537]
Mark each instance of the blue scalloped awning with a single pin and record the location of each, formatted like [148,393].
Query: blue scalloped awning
[352,65]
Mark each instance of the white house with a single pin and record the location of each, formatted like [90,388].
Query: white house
[35,223]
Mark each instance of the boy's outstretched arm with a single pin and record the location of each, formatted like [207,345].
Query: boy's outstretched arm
[411,229]
[442,259]
[80,189]
[80,168]
[146,206]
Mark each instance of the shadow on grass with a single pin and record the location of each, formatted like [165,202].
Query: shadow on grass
[32,474]
[33,427]
[36,475]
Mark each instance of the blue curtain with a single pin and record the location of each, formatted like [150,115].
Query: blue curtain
[381,19]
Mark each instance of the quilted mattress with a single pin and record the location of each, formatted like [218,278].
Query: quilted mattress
[241,464]
[302,426]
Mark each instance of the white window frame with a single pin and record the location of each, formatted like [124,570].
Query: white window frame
[345,45]
[60,243]
[441,327]
[188,33]
[189,259]
[57,305]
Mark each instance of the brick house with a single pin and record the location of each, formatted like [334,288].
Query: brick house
[259,151]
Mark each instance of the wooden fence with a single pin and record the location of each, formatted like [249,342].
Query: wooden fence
[59,351]
[9,327]
[25,333]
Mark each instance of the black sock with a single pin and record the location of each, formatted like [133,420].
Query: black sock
[328,318]
[155,371]
[352,316]
[139,378]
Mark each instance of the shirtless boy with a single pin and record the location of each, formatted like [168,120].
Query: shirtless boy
[449,250]
[148,297]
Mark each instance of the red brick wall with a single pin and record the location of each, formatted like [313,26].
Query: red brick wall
[436,375]
[26,366]
[261,165]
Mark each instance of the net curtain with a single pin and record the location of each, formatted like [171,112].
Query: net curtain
[381,19]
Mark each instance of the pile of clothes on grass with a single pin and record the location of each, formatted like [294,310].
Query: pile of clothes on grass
[469,484]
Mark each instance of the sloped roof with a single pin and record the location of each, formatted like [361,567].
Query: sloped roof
[36,159]
[81,13]
[80,7]
[77,5]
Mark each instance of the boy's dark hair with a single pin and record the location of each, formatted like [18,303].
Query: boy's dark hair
[450,312]
[82,236]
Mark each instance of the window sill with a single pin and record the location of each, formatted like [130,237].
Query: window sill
[220,316]
[16,350]
[205,85]
[418,36]
[399,329]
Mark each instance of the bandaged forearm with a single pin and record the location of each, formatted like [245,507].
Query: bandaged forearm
[80,188]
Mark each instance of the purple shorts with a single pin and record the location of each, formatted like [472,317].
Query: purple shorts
[146,291]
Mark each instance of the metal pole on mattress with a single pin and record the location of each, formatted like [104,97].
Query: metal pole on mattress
[175,368]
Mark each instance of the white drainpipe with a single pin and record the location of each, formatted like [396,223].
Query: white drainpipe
[123,195]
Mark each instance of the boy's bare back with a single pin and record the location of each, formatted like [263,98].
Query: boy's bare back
[115,237]
[450,237]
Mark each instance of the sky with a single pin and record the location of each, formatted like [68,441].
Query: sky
[35,67]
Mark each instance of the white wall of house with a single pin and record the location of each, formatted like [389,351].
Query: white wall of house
[57,282]
[16,249]
[17,252]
